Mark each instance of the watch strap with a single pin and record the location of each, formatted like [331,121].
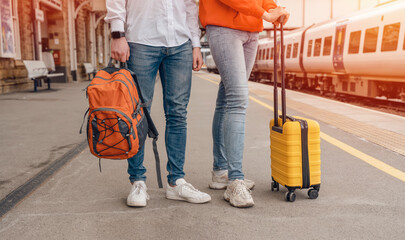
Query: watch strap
[117,34]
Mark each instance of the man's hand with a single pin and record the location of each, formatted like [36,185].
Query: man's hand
[197,59]
[273,15]
[120,49]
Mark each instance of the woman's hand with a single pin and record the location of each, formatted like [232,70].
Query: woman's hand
[273,15]
[197,59]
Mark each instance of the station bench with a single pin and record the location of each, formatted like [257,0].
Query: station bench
[89,69]
[38,71]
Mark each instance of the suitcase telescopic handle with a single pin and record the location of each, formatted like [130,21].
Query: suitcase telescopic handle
[275,59]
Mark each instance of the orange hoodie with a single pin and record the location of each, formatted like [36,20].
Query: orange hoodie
[243,15]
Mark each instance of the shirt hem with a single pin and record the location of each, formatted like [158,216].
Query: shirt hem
[155,45]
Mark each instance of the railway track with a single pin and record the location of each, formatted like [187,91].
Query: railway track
[396,107]
[391,106]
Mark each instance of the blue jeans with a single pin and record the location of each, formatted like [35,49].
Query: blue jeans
[174,65]
[234,52]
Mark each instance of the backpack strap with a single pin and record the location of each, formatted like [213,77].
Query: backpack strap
[84,118]
[153,133]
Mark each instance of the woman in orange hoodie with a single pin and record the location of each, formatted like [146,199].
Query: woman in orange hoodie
[233,28]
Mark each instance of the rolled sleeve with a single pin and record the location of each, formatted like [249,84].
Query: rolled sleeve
[195,41]
[117,25]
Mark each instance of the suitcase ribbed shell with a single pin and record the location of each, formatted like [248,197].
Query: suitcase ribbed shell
[286,153]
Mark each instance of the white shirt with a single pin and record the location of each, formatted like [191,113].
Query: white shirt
[167,23]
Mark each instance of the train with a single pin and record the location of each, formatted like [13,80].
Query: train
[361,54]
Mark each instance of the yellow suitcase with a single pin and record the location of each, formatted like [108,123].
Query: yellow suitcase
[294,143]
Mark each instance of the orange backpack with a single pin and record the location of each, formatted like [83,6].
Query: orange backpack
[118,119]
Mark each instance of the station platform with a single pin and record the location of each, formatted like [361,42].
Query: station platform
[361,197]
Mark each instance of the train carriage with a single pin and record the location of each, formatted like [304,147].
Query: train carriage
[362,54]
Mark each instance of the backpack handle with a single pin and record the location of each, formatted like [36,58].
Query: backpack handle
[123,65]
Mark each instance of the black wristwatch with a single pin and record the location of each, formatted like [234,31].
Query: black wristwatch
[117,34]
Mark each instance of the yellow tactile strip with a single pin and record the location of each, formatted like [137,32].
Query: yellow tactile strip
[390,140]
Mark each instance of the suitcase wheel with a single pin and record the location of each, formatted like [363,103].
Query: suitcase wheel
[290,196]
[313,193]
[275,185]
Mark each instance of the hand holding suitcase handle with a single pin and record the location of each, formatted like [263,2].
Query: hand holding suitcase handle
[282,19]
[273,16]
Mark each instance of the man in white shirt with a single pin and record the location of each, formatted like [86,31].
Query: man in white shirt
[164,35]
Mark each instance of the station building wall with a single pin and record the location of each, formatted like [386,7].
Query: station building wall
[54,37]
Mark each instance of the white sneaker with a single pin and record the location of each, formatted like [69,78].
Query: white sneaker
[221,181]
[138,196]
[238,195]
[184,191]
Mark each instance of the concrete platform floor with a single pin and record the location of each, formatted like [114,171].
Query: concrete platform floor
[356,201]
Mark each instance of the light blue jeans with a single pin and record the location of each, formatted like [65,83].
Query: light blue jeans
[175,68]
[234,52]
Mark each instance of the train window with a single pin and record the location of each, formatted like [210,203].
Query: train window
[327,46]
[318,45]
[344,86]
[354,42]
[264,54]
[370,40]
[309,52]
[259,54]
[295,50]
[272,53]
[390,37]
[352,86]
[288,51]
[267,54]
